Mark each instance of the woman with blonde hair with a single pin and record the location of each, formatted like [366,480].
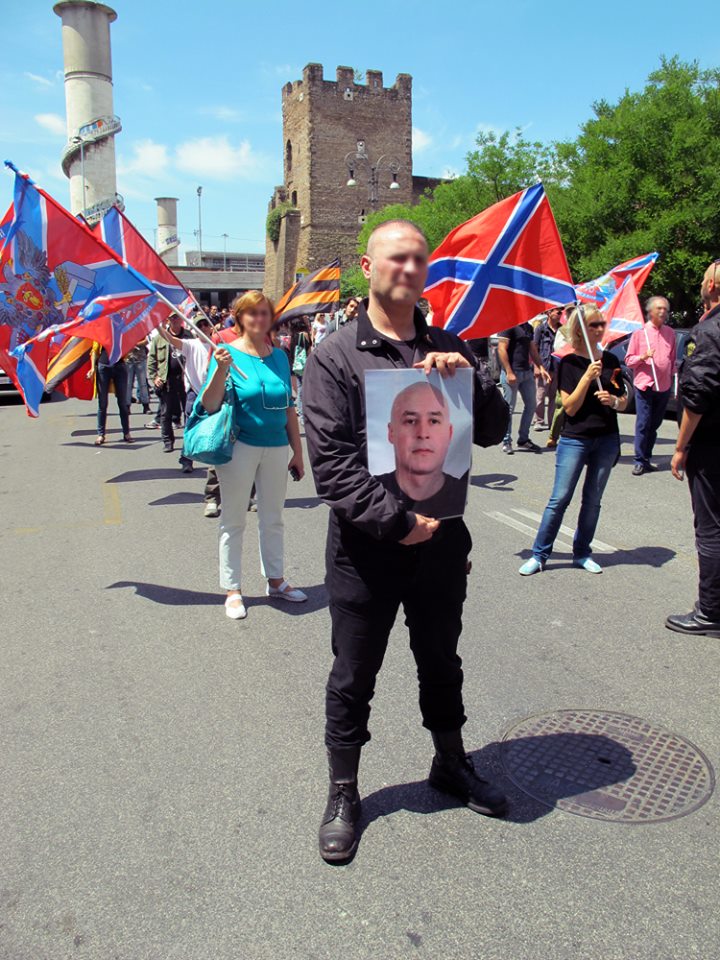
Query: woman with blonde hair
[265,424]
[592,390]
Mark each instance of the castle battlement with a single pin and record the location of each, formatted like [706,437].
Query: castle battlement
[314,82]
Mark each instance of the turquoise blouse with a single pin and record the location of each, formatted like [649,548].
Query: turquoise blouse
[263,399]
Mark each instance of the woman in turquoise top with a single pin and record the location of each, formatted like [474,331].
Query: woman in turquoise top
[265,425]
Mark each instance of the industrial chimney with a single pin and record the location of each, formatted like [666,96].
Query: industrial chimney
[167,236]
[89,157]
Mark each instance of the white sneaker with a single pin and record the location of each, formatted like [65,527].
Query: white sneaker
[286,592]
[234,609]
[211,509]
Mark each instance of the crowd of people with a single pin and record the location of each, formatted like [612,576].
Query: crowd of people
[382,551]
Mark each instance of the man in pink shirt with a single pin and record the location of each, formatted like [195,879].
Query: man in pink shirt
[651,357]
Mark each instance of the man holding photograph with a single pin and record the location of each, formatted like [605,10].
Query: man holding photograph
[380,554]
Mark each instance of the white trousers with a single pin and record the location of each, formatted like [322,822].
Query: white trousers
[266,467]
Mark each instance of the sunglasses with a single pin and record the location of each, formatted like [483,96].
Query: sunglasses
[598,324]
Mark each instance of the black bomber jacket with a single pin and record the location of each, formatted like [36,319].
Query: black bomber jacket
[700,378]
[333,399]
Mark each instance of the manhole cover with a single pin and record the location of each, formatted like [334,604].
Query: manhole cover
[608,766]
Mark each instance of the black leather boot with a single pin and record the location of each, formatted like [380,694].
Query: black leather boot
[453,772]
[694,623]
[338,840]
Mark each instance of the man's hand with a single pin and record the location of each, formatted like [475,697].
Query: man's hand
[677,464]
[445,363]
[648,355]
[423,530]
[158,382]
[547,377]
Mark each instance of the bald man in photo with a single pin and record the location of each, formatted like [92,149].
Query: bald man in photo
[420,432]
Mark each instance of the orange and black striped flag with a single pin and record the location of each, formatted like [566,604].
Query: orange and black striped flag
[319,292]
[67,370]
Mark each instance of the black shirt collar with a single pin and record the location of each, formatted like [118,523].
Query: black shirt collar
[368,337]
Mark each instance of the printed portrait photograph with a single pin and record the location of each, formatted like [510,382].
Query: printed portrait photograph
[419,437]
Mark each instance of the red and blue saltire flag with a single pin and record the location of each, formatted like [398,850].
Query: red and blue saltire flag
[623,313]
[133,249]
[601,291]
[499,269]
[59,278]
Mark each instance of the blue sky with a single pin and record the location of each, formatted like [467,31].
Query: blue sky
[197,86]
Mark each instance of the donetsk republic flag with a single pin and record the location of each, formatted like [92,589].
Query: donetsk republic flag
[319,292]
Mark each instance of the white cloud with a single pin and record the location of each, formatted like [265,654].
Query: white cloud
[223,113]
[149,159]
[217,159]
[52,122]
[41,81]
[420,140]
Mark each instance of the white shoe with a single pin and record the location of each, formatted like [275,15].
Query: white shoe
[237,611]
[286,592]
[211,509]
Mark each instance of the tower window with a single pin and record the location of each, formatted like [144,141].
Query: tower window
[288,156]
[293,198]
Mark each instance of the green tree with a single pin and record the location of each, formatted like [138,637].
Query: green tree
[643,176]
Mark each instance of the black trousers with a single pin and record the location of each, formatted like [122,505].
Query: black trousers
[367,582]
[172,399]
[703,473]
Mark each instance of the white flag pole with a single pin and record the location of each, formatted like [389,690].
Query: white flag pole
[652,361]
[586,338]
[202,336]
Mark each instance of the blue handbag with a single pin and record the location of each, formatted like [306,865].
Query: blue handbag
[210,437]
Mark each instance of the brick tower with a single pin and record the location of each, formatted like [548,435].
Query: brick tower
[324,121]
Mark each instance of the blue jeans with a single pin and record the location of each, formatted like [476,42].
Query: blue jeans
[599,455]
[118,374]
[525,385]
[137,370]
[650,408]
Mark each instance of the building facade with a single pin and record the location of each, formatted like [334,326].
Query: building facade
[335,131]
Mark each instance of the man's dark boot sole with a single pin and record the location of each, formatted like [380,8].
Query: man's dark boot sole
[676,628]
[446,786]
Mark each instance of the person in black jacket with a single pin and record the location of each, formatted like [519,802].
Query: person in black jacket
[380,554]
[697,453]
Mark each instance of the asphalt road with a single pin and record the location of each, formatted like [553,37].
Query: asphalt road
[162,767]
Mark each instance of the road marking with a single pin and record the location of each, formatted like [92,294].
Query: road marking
[21,531]
[112,513]
[597,545]
[521,527]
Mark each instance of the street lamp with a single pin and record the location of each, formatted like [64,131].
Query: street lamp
[225,240]
[361,161]
[199,230]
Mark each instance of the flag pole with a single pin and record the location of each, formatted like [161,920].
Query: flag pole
[586,338]
[652,361]
[198,332]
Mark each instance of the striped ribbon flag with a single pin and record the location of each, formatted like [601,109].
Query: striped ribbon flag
[319,292]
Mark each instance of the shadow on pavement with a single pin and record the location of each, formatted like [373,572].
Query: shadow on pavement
[317,599]
[596,772]
[180,597]
[303,503]
[171,596]
[153,473]
[183,496]
[639,556]
[109,444]
[494,481]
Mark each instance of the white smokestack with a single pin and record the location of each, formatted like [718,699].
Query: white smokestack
[167,236]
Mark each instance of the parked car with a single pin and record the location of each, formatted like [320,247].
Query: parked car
[7,387]
[619,349]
